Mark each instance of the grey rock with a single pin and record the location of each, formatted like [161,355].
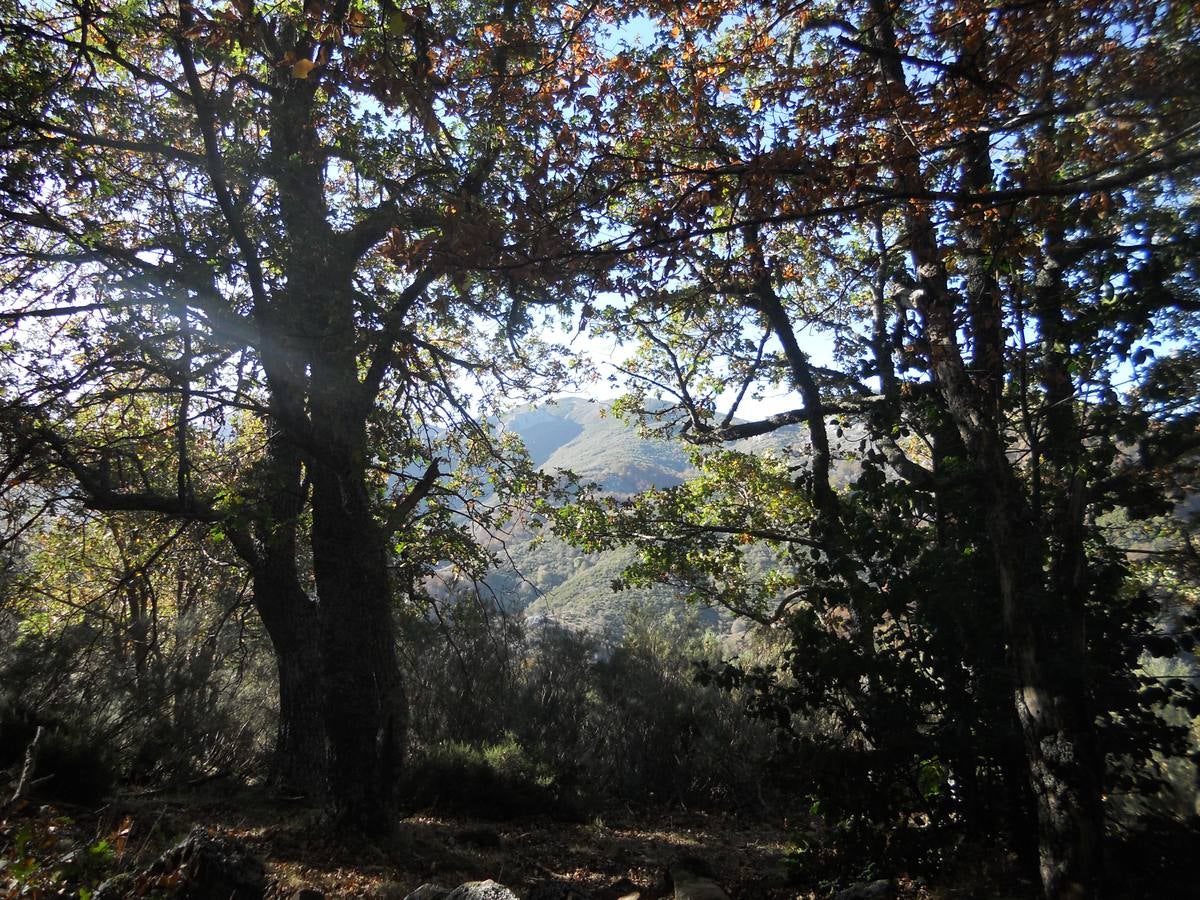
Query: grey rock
[699,888]
[115,888]
[308,893]
[208,867]
[882,889]
[693,881]
[481,890]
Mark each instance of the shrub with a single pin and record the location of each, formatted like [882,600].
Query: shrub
[577,717]
[71,765]
[497,781]
[76,768]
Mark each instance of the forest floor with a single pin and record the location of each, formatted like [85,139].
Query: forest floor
[750,857]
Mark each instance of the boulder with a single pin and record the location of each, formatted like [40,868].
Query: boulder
[116,888]
[481,890]
[692,880]
[207,867]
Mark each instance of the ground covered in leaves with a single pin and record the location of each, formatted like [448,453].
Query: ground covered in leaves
[48,851]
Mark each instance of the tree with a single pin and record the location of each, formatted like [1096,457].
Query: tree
[989,210]
[324,214]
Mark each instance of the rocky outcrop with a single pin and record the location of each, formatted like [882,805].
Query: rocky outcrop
[692,879]
[481,890]
[200,867]
[471,890]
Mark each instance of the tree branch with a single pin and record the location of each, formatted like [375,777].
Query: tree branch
[404,507]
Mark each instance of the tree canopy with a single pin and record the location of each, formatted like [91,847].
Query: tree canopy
[325,217]
[267,268]
[990,212]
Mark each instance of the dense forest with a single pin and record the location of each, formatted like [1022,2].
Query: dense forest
[897,303]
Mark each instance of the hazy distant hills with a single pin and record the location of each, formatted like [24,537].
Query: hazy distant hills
[552,581]
[584,437]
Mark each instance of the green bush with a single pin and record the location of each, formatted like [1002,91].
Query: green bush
[577,717]
[497,781]
[50,855]
[71,766]
[630,720]
[75,768]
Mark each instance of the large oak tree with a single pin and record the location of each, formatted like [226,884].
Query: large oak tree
[990,210]
[288,209]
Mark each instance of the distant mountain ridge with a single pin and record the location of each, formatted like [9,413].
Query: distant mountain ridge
[548,579]
[584,436]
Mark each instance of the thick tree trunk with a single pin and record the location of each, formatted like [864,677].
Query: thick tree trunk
[290,617]
[1049,703]
[365,704]
[1051,709]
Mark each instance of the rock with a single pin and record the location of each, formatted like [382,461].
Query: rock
[428,891]
[481,890]
[308,893]
[115,888]
[693,880]
[882,889]
[698,888]
[204,867]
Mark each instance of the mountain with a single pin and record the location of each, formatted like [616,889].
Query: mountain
[549,580]
[584,437]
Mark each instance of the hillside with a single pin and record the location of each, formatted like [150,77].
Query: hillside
[551,581]
[584,437]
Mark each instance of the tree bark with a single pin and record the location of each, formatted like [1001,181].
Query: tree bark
[1047,701]
[290,617]
[365,705]
[362,698]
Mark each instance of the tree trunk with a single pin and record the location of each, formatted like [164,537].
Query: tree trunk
[1049,708]
[365,708]
[291,620]
[365,704]
[1049,705]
